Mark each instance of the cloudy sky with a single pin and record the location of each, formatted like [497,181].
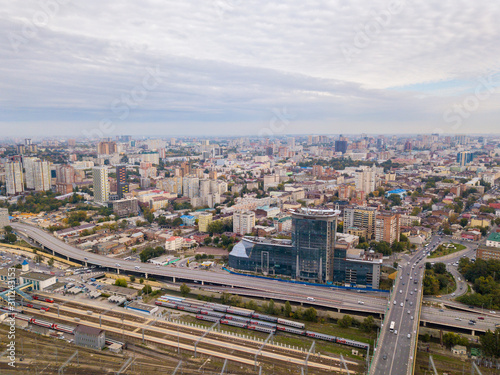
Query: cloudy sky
[248,67]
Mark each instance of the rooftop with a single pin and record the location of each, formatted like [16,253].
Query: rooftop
[86,330]
[495,236]
[37,276]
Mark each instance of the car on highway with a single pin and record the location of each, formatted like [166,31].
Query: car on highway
[400,291]
[361,302]
[480,317]
[411,317]
[408,311]
[457,318]
[394,302]
[409,336]
[310,299]
[401,304]
[384,357]
[396,332]
[493,312]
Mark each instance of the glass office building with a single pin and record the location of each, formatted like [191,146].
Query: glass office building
[313,236]
[311,255]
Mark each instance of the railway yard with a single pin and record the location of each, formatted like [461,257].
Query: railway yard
[247,344]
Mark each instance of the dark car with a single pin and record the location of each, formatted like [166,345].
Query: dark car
[385,356]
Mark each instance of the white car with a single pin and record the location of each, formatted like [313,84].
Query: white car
[400,291]
[492,312]
[401,304]
[411,317]
[396,332]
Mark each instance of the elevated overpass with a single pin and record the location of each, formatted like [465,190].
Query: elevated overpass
[323,294]
[19,290]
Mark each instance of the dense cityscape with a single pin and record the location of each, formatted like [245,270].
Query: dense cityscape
[249,187]
[196,232]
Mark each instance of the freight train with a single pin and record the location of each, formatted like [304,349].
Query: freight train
[249,319]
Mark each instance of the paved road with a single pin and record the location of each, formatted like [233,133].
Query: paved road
[396,348]
[330,296]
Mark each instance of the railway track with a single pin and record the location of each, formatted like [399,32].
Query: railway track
[209,346]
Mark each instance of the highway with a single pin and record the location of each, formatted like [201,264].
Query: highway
[330,297]
[396,347]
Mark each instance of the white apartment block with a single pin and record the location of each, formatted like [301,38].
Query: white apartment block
[101,184]
[243,222]
[14,179]
[366,180]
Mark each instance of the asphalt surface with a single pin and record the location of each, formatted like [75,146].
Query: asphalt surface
[371,302]
[395,350]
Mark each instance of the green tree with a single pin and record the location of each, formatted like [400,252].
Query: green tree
[269,308]
[207,241]
[345,322]
[7,229]
[464,222]
[368,324]
[141,280]
[132,278]
[310,314]
[185,290]
[490,343]
[121,282]
[215,227]
[440,268]
[288,309]
[51,262]
[177,222]
[10,238]
[431,284]
[147,289]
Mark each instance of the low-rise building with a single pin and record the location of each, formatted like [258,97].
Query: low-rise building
[90,337]
[173,243]
[487,253]
[39,280]
[493,240]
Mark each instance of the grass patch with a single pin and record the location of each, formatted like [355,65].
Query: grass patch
[443,250]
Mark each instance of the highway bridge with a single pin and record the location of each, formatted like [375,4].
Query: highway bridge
[405,292]
[324,296]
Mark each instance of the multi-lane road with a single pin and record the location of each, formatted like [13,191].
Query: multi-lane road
[330,297]
[397,341]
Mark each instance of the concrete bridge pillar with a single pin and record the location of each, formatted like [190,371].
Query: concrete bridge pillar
[146,275]
[202,282]
[424,323]
[173,279]
[118,271]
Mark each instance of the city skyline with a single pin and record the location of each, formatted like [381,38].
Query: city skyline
[248,68]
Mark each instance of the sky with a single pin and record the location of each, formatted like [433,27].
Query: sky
[255,67]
